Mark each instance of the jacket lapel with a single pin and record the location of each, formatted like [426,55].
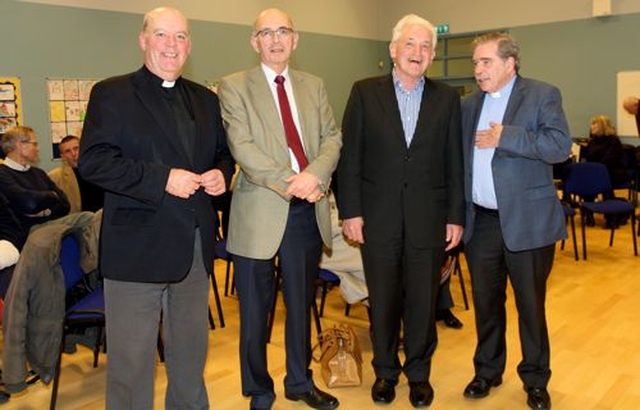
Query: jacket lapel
[515,100]
[386,92]
[262,97]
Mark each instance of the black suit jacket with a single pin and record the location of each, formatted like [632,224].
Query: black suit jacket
[128,147]
[388,183]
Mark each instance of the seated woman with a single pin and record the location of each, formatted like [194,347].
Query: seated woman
[605,147]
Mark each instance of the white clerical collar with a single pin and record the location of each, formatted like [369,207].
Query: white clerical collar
[168,84]
[16,165]
[495,95]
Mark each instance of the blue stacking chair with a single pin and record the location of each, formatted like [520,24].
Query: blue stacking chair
[569,217]
[590,180]
[87,312]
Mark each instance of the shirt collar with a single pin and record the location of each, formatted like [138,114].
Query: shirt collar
[398,84]
[271,75]
[504,91]
[16,165]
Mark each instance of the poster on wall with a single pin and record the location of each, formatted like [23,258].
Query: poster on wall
[68,99]
[628,85]
[10,103]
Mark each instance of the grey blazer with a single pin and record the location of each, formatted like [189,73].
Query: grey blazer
[260,206]
[534,137]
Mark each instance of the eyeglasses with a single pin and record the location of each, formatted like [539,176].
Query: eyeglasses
[34,143]
[271,33]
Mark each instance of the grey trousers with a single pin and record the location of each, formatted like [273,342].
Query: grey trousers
[133,313]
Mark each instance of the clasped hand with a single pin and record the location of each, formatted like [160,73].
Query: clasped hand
[182,183]
[305,186]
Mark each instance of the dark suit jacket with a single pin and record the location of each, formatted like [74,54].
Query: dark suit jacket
[128,147]
[535,136]
[380,179]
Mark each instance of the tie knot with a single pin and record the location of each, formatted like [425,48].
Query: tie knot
[279,80]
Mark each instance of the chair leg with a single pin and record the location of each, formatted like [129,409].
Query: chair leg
[96,348]
[583,221]
[216,295]
[56,376]
[323,297]
[316,316]
[347,309]
[633,228]
[575,243]
[212,324]
[458,271]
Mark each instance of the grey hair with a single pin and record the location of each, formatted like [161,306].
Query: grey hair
[410,20]
[13,136]
[507,45]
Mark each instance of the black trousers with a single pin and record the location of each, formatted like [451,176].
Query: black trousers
[490,264]
[403,284]
[299,258]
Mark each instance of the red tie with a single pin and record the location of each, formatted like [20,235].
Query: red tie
[290,130]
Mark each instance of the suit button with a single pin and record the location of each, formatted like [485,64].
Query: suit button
[407,158]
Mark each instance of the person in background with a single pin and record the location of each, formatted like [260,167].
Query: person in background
[154,141]
[514,129]
[282,133]
[605,147]
[33,197]
[82,195]
[402,198]
[630,104]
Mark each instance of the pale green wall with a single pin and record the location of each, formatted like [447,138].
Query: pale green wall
[581,57]
[42,41]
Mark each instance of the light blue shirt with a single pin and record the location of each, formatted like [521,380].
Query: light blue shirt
[493,109]
[409,105]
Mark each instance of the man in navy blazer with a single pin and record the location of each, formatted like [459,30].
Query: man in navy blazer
[514,129]
[155,142]
[401,196]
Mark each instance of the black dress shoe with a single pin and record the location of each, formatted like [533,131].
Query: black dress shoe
[538,398]
[449,319]
[420,394]
[315,398]
[479,387]
[383,390]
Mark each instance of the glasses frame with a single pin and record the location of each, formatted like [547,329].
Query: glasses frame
[270,33]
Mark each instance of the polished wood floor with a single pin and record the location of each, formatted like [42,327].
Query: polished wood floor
[593,313]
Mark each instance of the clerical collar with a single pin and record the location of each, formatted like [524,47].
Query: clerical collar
[16,165]
[504,92]
[495,95]
[168,84]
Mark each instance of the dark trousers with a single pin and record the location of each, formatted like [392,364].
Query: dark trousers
[490,264]
[403,284]
[298,257]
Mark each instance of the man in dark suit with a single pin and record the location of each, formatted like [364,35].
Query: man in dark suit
[514,130]
[155,142]
[401,196]
[279,205]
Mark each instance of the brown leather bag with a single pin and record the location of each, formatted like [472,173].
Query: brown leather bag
[341,358]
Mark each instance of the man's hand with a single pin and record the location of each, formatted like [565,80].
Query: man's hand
[453,236]
[305,186]
[352,228]
[182,183]
[213,182]
[489,138]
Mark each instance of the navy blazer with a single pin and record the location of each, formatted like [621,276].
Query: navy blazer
[419,187]
[535,136]
[128,148]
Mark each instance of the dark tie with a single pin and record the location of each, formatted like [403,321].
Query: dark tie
[290,130]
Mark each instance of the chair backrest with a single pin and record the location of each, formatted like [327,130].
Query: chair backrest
[70,261]
[587,179]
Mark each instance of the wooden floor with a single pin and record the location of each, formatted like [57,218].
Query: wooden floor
[594,322]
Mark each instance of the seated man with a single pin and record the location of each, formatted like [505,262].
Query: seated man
[344,259]
[82,195]
[12,238]
[32,195]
